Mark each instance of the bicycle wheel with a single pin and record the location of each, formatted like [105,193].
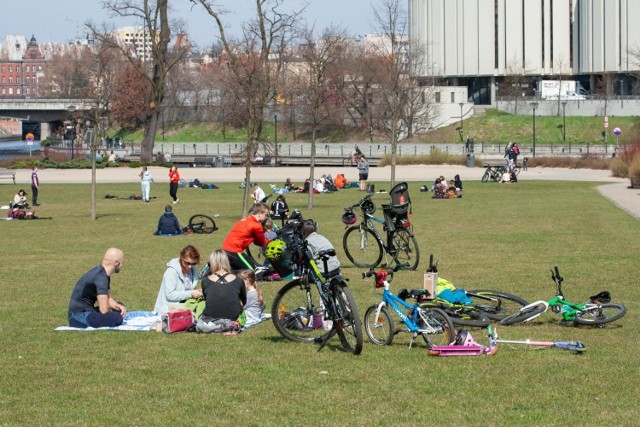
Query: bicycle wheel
[516,170]
[437,327]
[407,250]
[292,312]
[347,161]
[525,313]
[460,315]
[600,314]
[486,176]
[347,318]
[202,224]
[361,247]
[379,328]
[497,305]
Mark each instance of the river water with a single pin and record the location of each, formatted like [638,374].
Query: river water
[10,149]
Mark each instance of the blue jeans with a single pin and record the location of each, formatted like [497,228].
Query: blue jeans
[95,319]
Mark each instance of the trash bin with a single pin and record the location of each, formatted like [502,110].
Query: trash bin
[219,162]
[471,160]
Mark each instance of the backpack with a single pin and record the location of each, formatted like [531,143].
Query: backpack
[516,150]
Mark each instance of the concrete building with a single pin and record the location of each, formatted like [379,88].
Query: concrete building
[138,38]
[478,43]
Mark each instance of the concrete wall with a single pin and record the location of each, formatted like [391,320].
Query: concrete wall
[612,107]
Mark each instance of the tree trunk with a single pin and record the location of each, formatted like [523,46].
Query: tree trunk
[146,147]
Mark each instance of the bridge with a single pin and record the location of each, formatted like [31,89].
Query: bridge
[42,116]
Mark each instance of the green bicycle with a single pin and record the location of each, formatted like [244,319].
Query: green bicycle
[598,312]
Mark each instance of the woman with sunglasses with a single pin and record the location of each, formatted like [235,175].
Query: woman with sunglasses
[179,280]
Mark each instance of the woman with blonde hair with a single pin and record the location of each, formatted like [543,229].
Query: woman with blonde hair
[224,292]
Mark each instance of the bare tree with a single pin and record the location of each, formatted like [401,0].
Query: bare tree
[252,65]
[154,14]
[312,82]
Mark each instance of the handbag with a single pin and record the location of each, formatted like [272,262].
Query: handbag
[177,321]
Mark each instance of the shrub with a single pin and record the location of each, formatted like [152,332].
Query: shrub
[437,157]
[619,169]
[620,165]
[634,172]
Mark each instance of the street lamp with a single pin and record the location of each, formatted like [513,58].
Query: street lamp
[275,122]
[71,109]
[461,104]
[534,105]
[564,123]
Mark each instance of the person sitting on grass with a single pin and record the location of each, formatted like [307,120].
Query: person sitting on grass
[20,200]
[168,224]
[95,286]
[439,189]
[179,280]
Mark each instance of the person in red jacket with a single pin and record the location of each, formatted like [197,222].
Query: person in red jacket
[174,179]
[246,231]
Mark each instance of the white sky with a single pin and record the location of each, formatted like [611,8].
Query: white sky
[61,20]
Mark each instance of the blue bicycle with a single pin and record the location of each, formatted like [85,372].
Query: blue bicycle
[362,242]
[433,324]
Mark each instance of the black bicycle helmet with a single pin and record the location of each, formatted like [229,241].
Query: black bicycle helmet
[368,206]
[349,218]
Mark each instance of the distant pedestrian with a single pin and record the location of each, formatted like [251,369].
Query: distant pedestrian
[145,182]
[363,172]
[35,186]
[467,144]
[174,180]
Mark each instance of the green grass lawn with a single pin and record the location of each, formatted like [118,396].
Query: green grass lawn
[495,237]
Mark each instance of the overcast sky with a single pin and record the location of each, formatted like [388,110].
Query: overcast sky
[62,20]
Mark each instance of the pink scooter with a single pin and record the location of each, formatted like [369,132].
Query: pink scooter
[464,345]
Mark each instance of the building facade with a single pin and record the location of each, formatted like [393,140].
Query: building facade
[21,68]
[479,42]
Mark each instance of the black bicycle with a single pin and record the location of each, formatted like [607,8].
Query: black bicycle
[312,307]
[201,224]
[363,244]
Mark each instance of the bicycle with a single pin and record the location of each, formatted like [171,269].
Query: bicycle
[435,327]
[201,224]
[495,172]
[598,312]
[363,244]
[353,158]
[302,312]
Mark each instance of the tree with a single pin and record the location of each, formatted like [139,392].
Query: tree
[252,68]
[313,84]
[154,14]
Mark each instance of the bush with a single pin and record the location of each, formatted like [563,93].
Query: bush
[619,169]
[437,157]
[620,166]
[634,172]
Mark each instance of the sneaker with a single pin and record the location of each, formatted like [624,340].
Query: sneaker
[176,201]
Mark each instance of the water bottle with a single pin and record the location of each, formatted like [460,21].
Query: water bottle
[318,318]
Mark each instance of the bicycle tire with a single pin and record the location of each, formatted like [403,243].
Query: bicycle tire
[202,224]
[486,175]
[347,162]
[291,297]
[600,314]
[379,329]
[439,327]
[461,315]
[524,314]
[507,304]
[496,176]
[406,247]
[364,251]
[516,170]
[347,318]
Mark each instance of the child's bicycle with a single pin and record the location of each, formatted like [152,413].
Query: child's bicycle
[312,307]
[598,312]
[432,324]
[201,224]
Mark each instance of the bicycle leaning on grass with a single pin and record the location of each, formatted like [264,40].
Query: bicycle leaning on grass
[435,327]
[363,244]
[312,307]
[598,312]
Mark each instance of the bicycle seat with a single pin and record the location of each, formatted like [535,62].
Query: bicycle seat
[326,254]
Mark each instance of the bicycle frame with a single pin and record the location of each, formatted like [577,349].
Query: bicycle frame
[388,247]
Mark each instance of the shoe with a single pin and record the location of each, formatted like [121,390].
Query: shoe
[175,201]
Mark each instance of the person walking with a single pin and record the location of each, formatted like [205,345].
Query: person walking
[174,180]
[35,186]
[145,183]
[363,172]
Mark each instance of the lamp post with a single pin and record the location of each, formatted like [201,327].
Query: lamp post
[71,109]
[461,104]
[564,122]
[534,105]
[275,123]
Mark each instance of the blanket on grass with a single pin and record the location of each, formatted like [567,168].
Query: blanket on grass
[133,321]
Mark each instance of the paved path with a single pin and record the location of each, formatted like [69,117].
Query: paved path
[616,189]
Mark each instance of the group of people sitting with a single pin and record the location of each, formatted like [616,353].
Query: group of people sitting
[228,288]
[447,190]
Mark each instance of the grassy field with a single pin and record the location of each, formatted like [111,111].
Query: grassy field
[495,237]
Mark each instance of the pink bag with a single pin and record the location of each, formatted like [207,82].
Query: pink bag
[177,321]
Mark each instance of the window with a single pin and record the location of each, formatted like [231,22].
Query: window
[11,68]
[27,69]
[438,97]
[10,79]
[3,79]
[27,91]
[17,68]
[10,91]
[453,97]
[3,91]
[18,80]
[27,80]
[18,91]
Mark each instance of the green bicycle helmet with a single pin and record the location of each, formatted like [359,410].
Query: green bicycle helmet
[275,248]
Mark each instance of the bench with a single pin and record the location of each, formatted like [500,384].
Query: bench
[206,161]
[7,173]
